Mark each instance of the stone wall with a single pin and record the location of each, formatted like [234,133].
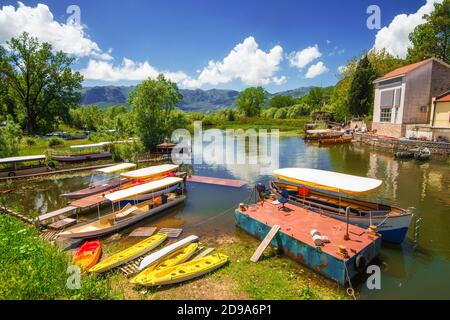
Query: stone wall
[389,129]
[438,149]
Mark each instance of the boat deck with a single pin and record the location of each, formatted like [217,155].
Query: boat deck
[298,222]
[90,201]
[218,181]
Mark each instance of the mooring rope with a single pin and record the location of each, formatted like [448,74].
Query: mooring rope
[350,291]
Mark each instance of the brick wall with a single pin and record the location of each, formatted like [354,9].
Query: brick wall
[389,129]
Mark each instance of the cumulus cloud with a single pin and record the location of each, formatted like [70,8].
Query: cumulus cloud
[127,70]
[394,38]
[316,70]
[301,59]
[39,22]
[246,62]
[341,69]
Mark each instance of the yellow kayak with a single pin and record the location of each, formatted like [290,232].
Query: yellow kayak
[181,255]
[185,271]
[129,254]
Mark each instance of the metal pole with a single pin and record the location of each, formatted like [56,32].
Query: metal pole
[347,212]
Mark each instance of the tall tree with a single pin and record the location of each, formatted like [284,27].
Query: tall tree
[153,102]
[281,102]
[432,38]
[360,99]
[40,82]
[250,101]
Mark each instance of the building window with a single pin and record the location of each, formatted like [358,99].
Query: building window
[385,115]
[387,98]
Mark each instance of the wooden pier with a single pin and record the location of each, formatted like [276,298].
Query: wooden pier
[217,181]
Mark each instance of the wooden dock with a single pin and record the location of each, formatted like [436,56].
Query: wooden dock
[217,181]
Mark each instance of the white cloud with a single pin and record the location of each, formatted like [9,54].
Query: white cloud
[301,59]
[246,62]
[127,70]
[394,38]
[39,22]
[316,70]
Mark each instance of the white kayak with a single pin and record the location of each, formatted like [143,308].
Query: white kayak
[160,254]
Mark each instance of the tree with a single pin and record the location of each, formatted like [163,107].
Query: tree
[41,84]
[250,101]
[432,38]
[360,99]
[9,138]
[153,102]
[281,102]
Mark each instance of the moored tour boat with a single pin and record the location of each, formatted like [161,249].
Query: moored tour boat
[102,180]
[104,153]
[327,192]
[130,214]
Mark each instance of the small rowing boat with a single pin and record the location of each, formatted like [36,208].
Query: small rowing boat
[164,252]
[185,271]
[88,254]
[129,254]
[179,256]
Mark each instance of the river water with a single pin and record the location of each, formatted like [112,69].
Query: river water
[412,270]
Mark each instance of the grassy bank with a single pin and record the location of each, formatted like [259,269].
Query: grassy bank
[33,269]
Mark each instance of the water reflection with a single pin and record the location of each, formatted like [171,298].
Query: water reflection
[409,273]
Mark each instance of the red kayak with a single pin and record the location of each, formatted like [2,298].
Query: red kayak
[88,254]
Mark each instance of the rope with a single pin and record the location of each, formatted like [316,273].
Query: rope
[350,291]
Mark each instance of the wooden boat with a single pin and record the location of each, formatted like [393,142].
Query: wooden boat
[80,157]
[88,254]
[164,252]
[179,256]
[129,254]
[102,180]
[131,214]
[15,166]
[186,271]
[335,140]
[317,134]
[327,193]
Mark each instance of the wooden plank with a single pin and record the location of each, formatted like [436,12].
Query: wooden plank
[63,223]
[204,253]
[142,232]
[171,232]
[217,181]
[56,213]
[263,245]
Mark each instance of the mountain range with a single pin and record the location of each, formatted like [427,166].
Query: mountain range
[193,100]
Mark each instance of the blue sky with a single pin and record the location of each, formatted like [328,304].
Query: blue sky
[181,37]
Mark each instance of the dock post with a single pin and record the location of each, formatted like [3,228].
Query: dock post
[346,236]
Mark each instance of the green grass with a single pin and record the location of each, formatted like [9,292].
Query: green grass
[294,126]
[275,277]
[33,269]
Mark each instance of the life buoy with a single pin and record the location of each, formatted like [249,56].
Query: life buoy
[360,263]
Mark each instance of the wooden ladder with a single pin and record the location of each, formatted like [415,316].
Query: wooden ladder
[263,245]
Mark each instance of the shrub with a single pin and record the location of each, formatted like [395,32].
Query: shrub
[55,141]
[30,141]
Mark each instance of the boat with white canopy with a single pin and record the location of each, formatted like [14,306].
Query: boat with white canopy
[102,179]
[24,165]
[161,199]
[332,194]
[103,153]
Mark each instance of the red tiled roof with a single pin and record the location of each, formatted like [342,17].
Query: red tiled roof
[403,70]
[445,98]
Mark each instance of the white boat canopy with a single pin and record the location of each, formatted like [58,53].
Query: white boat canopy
[116,168]
[141,189]
[150,171]
[329,180]
[95,145]
[321,131]
[22,159]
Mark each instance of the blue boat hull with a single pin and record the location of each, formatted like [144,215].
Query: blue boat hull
[394,236]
